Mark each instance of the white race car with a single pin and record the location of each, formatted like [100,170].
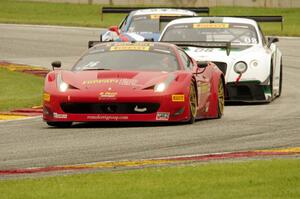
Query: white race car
[143,23]
[251,63]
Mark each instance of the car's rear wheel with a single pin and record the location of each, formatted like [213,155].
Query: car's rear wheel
[221,98]
[60,124]
[280,80]
[192,104]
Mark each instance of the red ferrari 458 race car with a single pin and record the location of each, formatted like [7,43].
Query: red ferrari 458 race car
[137,81]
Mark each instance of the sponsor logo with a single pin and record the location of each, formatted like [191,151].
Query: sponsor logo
[163,116]
[211,25]
[60,116]
[123,82]
[46,97]
[177,98]
[157,16]
[141,48]
[107,118]
[108,94]
[101,81]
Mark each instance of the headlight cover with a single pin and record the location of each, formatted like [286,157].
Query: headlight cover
[240,67]
[162,86]
[61,85]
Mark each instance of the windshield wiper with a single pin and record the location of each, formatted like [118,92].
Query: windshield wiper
[95,69]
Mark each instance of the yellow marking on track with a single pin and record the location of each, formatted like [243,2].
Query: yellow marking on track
[37,107]
[120,164]
[11,117]
[284,150]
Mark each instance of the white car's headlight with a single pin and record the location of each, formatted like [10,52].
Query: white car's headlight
[61,85]
[240,67]
[254,63]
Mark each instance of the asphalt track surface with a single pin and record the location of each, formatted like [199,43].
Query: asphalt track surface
[31,143]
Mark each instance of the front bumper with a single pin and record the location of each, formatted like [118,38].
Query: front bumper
[91,109]
[250,91]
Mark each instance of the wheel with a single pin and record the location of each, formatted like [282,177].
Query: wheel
[60,124]
[271,80]
[280,80]
[192,104]
[221,98]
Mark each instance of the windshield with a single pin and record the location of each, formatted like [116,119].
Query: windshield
[239,34]
[128,60]
[148,23]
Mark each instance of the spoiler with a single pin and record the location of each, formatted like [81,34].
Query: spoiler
[206,44]
[259,19]
[125,10]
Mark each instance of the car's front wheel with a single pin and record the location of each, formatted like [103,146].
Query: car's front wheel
[192,104]
[60,124]
[221,98]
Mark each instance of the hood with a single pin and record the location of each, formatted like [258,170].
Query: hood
[217,54]
[113,80]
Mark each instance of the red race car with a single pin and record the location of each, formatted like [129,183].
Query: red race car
[137,81]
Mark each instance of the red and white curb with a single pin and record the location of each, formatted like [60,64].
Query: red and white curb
[156,162]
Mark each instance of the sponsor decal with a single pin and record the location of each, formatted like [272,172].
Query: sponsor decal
[135,47]
[163,116]
[211,25]
[178,98]
[60,116]
[157,16]
[123,82]
[46,97]
[108,94]
[101,81]
[107,118]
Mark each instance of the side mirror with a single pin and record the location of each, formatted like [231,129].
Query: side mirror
[56,64]
[114,29]
[202,64]
[272,40]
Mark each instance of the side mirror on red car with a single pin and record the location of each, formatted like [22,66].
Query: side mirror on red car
[56,64]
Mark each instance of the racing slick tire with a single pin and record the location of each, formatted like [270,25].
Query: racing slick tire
[280,80]
[60,124]
[221,98]
[192,104]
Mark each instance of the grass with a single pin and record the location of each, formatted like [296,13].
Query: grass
[254,179]
[19,90]
[13,11]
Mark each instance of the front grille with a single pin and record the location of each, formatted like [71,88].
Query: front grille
[222,66]
[110,108]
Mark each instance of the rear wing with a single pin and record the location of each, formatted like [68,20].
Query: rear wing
[206,44]
[259,19]
[125,10]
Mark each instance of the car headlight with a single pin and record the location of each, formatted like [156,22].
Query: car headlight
[61,85]
[240,67]
[161,87]
[254,63]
